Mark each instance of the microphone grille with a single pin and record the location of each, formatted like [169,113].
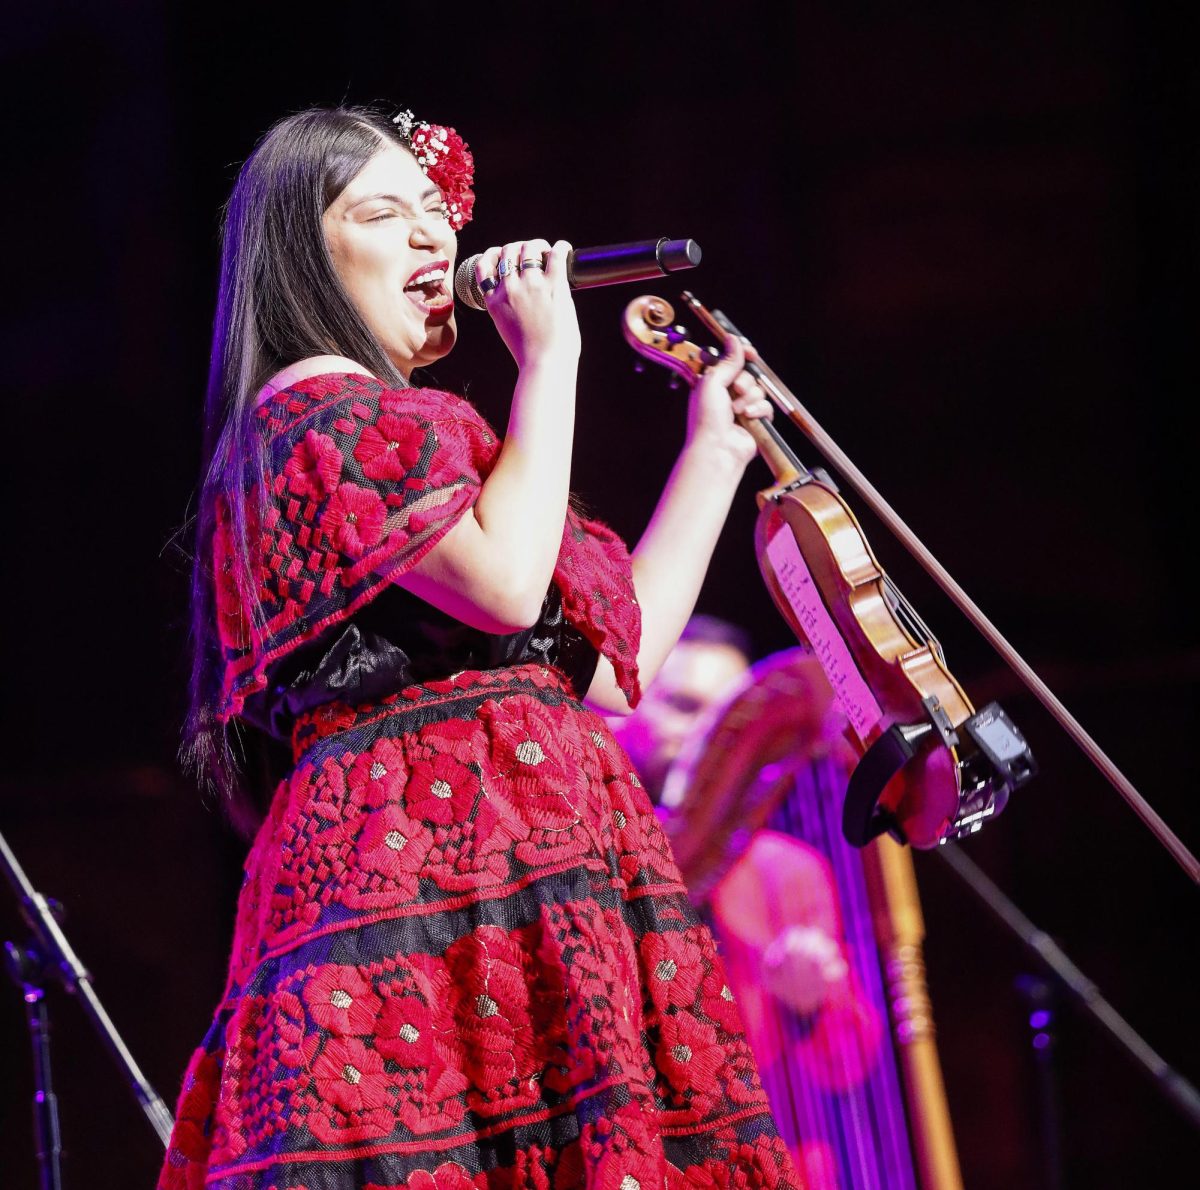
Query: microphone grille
[466,288]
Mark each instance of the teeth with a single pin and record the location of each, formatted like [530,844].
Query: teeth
[427,278]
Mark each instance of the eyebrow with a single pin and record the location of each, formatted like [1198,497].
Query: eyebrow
[400,202]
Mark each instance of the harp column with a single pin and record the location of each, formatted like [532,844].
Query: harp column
[900,932]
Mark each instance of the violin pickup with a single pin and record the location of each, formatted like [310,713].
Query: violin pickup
[1006,759]
[996,761]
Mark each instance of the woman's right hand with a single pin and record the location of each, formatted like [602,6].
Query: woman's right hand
[532,307]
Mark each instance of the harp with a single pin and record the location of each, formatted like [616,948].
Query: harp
[753,807]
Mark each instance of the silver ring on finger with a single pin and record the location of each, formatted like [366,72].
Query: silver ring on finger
[533,262]
[506,267]
[487,285]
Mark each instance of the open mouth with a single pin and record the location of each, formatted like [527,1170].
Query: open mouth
[427,288]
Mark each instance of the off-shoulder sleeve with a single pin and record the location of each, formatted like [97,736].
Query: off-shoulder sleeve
[375,480]
[363,482]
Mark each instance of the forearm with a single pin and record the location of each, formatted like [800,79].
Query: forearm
[493,568]
[523,503]
[672,557]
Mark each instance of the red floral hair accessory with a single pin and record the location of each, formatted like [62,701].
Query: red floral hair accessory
[446,160]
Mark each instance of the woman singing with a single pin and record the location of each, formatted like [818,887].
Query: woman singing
[463,956]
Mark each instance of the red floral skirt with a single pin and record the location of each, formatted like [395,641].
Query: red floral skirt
[464,958]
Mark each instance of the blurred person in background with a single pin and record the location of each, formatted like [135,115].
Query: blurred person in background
[775,908]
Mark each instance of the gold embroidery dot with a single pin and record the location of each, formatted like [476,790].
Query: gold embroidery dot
[530,752]
[629,1182]
[598,739]
[393,446]
[682,1053]
[666,970]
[726,994]
[441,789]
[409,1033]
[377,771]
[340,999]
[352,1074]
[352,518]
[633,780]
[620,819]
[485,1006]
[395,840]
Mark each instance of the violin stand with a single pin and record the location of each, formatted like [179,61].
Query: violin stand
[46,953]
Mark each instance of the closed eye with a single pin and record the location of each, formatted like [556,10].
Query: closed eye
[439,210]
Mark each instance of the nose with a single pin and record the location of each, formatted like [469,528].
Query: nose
[430,230]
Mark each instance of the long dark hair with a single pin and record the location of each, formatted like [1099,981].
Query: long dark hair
[279,301]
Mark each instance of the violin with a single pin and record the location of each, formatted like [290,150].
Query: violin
[931,767]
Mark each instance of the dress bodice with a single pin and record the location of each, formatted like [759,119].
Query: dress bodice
[399,640]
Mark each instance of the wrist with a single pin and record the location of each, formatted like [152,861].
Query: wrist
[557,357]
[714,452]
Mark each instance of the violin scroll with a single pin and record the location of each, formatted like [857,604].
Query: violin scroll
[650,329]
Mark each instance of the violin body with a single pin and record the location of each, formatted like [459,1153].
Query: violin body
[879,670]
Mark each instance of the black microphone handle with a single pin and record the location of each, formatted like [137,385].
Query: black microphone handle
[643,260]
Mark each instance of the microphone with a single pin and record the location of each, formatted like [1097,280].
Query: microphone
[643,260]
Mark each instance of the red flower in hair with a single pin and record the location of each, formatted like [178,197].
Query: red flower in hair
[446,160]
[314,468]
[391,447]
[449,164]
[353,519]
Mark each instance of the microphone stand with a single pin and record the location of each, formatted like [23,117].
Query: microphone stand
[1169,1082]
[46,953]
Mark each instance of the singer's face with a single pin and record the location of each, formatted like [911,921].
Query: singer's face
[394,252]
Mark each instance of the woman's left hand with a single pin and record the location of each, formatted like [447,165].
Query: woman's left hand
[723,391]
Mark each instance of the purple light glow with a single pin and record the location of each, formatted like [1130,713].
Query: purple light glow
[1041,1041]
[1039,1019]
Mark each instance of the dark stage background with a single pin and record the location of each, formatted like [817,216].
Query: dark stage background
[966,233]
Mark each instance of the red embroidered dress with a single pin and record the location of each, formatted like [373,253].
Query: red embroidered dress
[463,955]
